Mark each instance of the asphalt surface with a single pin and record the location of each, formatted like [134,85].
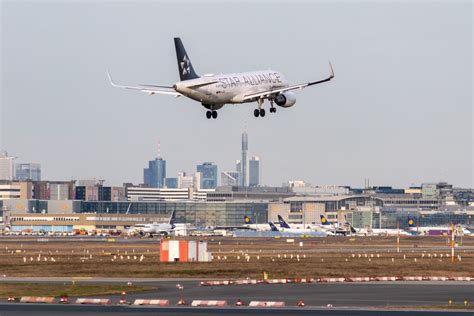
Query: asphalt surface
[43,310]
[371,294]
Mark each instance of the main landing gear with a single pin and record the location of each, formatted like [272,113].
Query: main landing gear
[211,114]
[261,112]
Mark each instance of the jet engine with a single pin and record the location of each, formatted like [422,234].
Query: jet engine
[285,99]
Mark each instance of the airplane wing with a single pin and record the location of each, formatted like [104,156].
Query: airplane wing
[266,94]
[151,89]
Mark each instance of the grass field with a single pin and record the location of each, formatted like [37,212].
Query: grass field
[37,289]
[326,257]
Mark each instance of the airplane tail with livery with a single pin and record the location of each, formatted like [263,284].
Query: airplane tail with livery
[411,222]
[273,228]
[186,70]
[282,222]
[247,220]
[172,219]
[324,220]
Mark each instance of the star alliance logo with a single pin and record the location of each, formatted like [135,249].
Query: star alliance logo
[185,65]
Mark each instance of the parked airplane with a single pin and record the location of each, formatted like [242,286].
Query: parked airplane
[284,227]
[251,225]
[214,91]
[435,230]
[331,228]
[295,232]
[159,228]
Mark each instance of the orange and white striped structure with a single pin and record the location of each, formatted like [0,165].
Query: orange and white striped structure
[276,281]
[392,278]
[209,303]
[214,283]
[184,251]
[358,279]
[412,278]
[300,280]
[461,279]
[331,280]
[96,301]
[37,299]
[266,304]
[156,302]
[436,278]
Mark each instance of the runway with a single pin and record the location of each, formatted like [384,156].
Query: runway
[369,294]
[46,310]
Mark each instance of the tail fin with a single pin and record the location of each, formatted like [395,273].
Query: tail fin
[172,218]
[273,227]
[411,222]
[353,230]
[324,220]
[186,70]
[247,220]
[282,222]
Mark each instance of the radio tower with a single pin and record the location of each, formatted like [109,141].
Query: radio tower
[158,156]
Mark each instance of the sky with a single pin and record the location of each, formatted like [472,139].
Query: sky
[399,110]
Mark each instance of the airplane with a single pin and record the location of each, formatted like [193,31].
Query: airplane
[435,230]
[214,91]
[333,229]
[287,228]
[163,229]
[251,225]
[295,232]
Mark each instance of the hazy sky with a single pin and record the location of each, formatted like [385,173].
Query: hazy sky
[398,112]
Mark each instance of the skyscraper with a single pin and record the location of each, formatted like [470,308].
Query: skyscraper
[208,172]
[6,166]
[28,171]
[189,181]
[238,167]
[154,176]
[254,171]
[244,172]
[230,178]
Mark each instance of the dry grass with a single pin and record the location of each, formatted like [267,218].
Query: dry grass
[328,257]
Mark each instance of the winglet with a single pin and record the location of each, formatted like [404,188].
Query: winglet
[332,71]
[111,80]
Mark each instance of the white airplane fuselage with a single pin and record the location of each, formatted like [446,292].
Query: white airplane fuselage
[158,228]
[217,90]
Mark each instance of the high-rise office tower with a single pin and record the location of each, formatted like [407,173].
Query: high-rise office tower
[28,171]
[230,178]
[6,166]
[208,172]
[154,176]
[254,171]
[244,172]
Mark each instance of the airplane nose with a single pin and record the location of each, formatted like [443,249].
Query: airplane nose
[175,87]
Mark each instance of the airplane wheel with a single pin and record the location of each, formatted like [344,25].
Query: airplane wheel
[273,110]
[208,114]
[256,113]
[214,114]
[262,112]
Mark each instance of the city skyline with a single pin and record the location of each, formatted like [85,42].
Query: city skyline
[399,110]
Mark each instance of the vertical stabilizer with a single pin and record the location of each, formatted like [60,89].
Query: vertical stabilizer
[185,68]
[282,222]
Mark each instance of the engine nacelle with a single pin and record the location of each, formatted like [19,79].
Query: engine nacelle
[285,99]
